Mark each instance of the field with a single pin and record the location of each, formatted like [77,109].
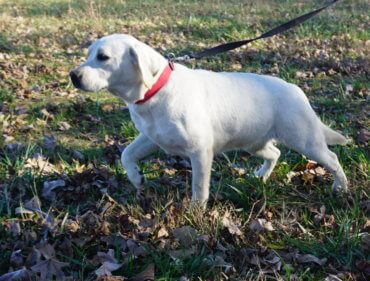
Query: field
[67,210]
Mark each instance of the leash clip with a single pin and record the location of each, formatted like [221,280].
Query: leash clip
[172,58]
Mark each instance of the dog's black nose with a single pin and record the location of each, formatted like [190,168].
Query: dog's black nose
[76,78]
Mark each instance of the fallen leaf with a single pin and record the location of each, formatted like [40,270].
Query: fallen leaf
[169,171]
[107,257]
[106,268]
[14,227]
[148,223]
[181,254]
[363,136]
[50,266]
[16,258]
[186,235]
[307,258]
[64,126]
[148,274]
[30,207]
[49,186]
[259,225]
[217,261]
[47,114]
[135,249]
[332,277]
[40,163]
[33,257]
[230,225]
[307,177]
[162,232]
[22,274]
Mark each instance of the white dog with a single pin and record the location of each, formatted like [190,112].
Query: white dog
[198,113]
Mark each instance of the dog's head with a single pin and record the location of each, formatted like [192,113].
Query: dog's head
[121,64]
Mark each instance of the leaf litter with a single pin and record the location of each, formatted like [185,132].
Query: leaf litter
[73,207]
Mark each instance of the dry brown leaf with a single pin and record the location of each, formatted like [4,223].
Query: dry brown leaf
[33,257]
[22,274]
[14,227]
[16,258]
[367,225]
[272,261]
[47,114]
[64,126]
[40,163]
[148,222]
[169,171]
[135,249]
[181,254]
[50,266]
[162,232]
[106,268]
[186,235]
[230,225]
[148,274]
[109,263]
[33,206]
[49,186]
[259,225]
[363,136]
[307,178]
[217,261]
[308,258]
[332,277]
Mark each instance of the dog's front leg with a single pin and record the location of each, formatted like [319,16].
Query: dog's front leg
[141,147]
[201,163]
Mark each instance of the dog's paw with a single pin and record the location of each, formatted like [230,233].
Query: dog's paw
[262,174]
[339,187]
[137,179]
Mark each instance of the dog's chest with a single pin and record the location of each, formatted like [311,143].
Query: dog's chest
[163,130]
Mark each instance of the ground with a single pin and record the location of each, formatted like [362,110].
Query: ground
[67,210]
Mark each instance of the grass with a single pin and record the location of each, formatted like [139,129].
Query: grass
[40,42]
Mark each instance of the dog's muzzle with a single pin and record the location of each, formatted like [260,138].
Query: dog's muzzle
[76,77]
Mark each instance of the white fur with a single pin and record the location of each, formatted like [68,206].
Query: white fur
[200,113]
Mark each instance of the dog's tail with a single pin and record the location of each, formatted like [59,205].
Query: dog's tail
[332,137]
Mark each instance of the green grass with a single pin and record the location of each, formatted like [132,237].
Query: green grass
[41,42]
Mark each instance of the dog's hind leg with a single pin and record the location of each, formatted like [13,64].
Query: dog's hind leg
[270,153]
[314,146]
[324,156]
[141,147]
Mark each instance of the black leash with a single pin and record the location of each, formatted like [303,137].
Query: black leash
[233,45]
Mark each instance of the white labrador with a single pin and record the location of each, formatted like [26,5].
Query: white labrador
[199,113]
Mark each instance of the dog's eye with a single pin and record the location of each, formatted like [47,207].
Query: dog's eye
[102,57]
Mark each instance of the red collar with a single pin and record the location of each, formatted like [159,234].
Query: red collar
[163,78]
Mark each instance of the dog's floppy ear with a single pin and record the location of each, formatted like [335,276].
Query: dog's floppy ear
[140,61]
